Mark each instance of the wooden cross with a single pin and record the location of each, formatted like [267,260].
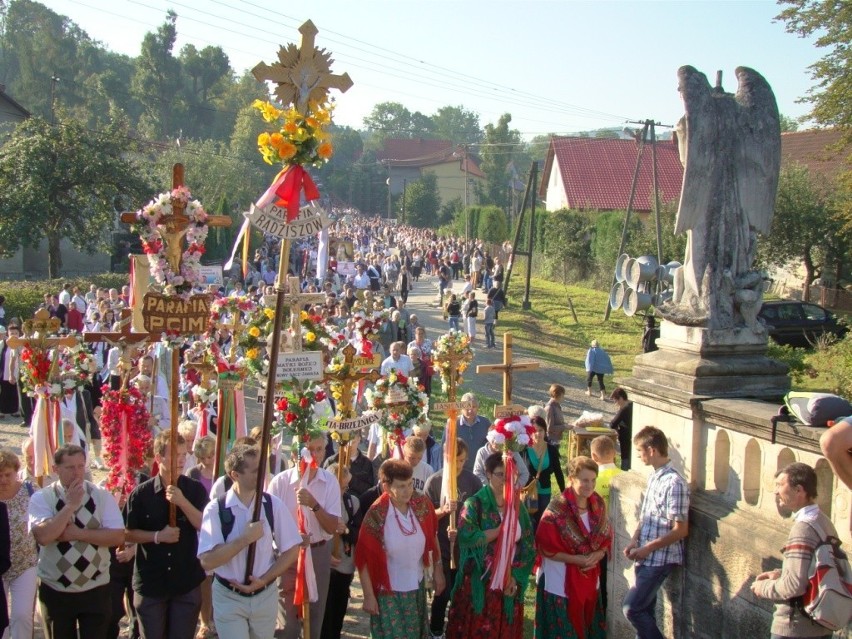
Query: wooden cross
[303,75]
[347,378]
[507,368]
[128,341]
[235,327]
[297,300]
[37,333]
[208,371]
[173,227]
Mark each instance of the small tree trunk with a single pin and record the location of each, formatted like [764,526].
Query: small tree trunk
[809,278]
[54,256]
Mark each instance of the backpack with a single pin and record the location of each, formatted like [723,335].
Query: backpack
[226,517]
[828,599]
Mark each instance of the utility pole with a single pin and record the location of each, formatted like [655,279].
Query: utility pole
[389,189]
[404,186]
[466,212]
[53,80]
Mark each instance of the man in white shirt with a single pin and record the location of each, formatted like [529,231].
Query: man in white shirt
[79,301]
[397,360]
[158,407]
[244,610]
[65,295]
[361,279]
[317,493]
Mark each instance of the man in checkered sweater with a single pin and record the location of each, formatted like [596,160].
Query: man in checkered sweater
[74,523]
[795,491]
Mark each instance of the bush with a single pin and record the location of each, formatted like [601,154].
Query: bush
[794,358]
[24,297]
[833,362]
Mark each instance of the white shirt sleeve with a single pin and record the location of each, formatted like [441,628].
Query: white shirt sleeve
[39,511]
[210,533]
[286,533]
[111,514]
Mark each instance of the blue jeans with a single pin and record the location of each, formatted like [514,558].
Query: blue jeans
[640,602]
[489,335]
[454,322]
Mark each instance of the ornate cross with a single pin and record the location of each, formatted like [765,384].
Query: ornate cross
[303,75]
[128,341]
[37,332]
[350,375]
[207,370]
[174,226]
[296,300]
[235,327]
[507,368]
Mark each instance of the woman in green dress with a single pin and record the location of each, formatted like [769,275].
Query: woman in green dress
[477,611]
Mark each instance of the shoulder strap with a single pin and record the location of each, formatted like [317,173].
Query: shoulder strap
[267,510]
[226,518]
[30,488]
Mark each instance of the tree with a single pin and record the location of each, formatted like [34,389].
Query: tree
[457,124]
[422,201]
[788,124]
[806,226]
[156,83]
[567,244]
[65,181]
[501,144]
[393,120]
[831,21]
[493,227]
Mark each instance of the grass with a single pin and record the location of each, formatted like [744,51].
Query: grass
[548,329]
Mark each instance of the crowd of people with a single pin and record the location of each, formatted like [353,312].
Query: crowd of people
[173,559]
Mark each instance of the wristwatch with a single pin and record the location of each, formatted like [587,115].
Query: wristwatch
[316,507]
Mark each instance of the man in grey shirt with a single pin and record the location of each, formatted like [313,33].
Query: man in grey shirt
[472,427]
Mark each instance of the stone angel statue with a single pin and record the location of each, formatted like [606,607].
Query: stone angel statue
[730,146]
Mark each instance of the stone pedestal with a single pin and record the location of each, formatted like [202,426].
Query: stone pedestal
[711,363]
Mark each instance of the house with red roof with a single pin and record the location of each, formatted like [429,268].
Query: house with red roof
[596,174]
[407,160]
[814,149]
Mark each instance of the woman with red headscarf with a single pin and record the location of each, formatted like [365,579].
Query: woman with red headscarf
[573,537]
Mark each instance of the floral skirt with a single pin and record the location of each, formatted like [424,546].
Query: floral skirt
[491,623]
[402,615]
[552,621]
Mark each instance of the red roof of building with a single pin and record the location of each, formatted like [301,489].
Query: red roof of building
[809,148]
[418,152]
[597,172]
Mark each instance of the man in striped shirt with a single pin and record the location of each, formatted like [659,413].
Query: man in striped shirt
[658,543]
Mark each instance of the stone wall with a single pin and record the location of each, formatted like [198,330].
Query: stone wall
[724,449]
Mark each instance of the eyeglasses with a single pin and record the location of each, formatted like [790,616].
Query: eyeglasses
[499,475]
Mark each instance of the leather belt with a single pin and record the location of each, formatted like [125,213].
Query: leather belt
[227,584]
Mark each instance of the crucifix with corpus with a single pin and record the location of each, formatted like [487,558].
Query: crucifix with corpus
[40,337]
[507,368]
[172,230]
[127,341]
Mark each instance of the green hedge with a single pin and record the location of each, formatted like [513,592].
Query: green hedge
[24,297]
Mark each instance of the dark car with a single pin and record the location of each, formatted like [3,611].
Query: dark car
[799,323]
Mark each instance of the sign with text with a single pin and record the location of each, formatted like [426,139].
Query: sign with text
[176,315]
[349,425]
[445,407]
[304,366]
[346,268]
[212,274]
[273,220]
[509,411]
[359,362]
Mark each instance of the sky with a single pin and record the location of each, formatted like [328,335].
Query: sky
[558,66]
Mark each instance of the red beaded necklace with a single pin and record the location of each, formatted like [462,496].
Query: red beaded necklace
[405,531]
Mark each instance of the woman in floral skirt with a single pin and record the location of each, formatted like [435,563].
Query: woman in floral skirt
[397,543]
[573,537]
[476,610]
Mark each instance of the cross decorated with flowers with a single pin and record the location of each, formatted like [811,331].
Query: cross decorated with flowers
[349,373]
[297,300]
[173,227]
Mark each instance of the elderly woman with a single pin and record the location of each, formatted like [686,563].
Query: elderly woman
[396,544]
[20,579]
[476,610]
[573,537]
